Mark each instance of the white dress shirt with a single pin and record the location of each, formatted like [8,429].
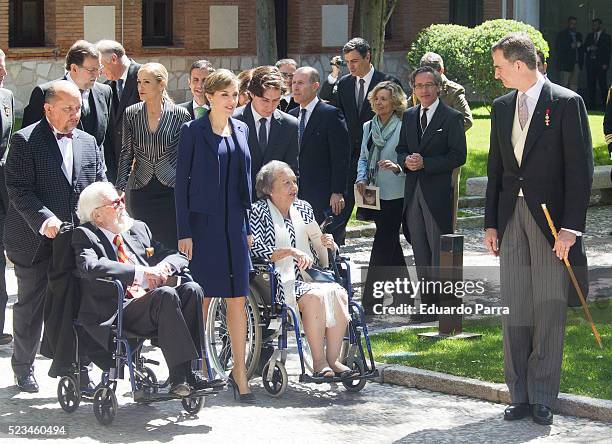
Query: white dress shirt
[139,271]
[431,109]
[309,108]
[257,117]
[366,84]
[195,105]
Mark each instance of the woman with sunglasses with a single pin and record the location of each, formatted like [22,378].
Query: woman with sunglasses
[151,131]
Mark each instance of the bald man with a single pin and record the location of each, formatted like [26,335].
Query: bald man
[48,164]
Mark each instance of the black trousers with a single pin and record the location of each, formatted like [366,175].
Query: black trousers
[3,294]
[28,310]
[174,316]
[338,226]
[596,76]
[387,262]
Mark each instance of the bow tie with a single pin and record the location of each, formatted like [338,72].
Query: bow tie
[60,136]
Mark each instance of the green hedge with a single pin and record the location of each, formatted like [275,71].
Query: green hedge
[467,51]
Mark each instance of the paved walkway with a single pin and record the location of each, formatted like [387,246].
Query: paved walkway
[381,413]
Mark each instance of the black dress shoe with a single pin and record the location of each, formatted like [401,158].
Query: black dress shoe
[541,414]
[26,383]
[5,338]
[516,411]
[198,383]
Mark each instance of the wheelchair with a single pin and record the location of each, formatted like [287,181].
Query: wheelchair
[270,320]
[145,388]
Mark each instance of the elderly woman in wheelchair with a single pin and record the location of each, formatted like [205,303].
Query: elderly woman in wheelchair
[286,233]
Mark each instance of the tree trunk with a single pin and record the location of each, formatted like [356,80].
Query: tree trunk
[266,32]
[370,18]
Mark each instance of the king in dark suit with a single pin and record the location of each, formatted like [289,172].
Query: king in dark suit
[121,73]
[431,145]
[48,165]
[273,134]
[7,120]
[324,150]
[540,153]
[111,244]
[83,66]
[350,95]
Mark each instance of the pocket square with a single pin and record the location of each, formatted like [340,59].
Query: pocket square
[439,130]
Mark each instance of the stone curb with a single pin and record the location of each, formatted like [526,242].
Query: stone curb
[368,230]
[572,405]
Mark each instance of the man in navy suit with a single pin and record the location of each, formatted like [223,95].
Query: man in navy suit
[324,150]
[200,69]
[121,74]
[350,95]
[83,66]
[48,165]
[273,134]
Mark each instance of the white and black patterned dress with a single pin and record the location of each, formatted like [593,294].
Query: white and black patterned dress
[264,240]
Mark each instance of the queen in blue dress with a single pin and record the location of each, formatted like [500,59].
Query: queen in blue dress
[213,194]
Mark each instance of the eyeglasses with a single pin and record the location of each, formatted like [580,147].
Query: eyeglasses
[424,85]
[92,70]
[287,75]
[116,204]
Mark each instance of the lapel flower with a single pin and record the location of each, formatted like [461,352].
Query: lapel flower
[547,117]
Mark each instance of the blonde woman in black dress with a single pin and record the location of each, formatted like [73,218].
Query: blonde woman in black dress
[151,131]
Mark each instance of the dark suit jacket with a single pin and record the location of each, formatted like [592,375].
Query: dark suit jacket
[324,156]
[286,107]
[96,258]
[129,96]
[565,54]
[443,149]
[7,120]
[197,171]
[556,167]
[102,99]
[282,140]
[38,189]
[344,98]
[602,54]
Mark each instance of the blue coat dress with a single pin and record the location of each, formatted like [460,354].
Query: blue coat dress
[213,194]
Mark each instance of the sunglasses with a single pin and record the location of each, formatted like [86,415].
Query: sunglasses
[117,203]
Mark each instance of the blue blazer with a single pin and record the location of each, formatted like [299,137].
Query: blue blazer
[197,171]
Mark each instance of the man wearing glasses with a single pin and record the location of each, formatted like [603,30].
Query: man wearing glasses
[432,144]
[49,163]
[83,69]
[287,67]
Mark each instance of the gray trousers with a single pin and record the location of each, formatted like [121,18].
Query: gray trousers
[425,240]
[534,286]
[28,312]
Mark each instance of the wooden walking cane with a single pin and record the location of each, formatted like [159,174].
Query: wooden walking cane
[574,280]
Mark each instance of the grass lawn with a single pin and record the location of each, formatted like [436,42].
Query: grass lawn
[478,144]
[587,370]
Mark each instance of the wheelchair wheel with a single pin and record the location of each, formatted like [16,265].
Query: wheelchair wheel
[68,394]
[355,385]
[218,345]
[277,385]
[193,405]
[105,405]
[148,381]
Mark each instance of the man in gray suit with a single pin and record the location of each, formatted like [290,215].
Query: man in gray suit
[273,134]
[48,165]
[540,153]
[7,120]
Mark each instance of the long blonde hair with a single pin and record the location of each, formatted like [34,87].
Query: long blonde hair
[160,73]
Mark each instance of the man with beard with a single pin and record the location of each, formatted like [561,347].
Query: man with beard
[112,244]
[48,165]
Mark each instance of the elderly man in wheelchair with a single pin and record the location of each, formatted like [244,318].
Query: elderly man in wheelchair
[285,232]
[110,244]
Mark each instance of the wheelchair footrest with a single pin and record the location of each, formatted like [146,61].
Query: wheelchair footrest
[147,396]
[309,379]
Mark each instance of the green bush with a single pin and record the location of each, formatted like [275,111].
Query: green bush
[450,41]
[480,64]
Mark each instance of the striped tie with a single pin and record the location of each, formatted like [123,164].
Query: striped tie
[122,255]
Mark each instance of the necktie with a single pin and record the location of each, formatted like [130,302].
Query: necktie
[133,291]
[424,120]
[119,88]
[523,111]
[360,95]
[262,136]
[60,136]
[302,126]
[199,111]
[84,103]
